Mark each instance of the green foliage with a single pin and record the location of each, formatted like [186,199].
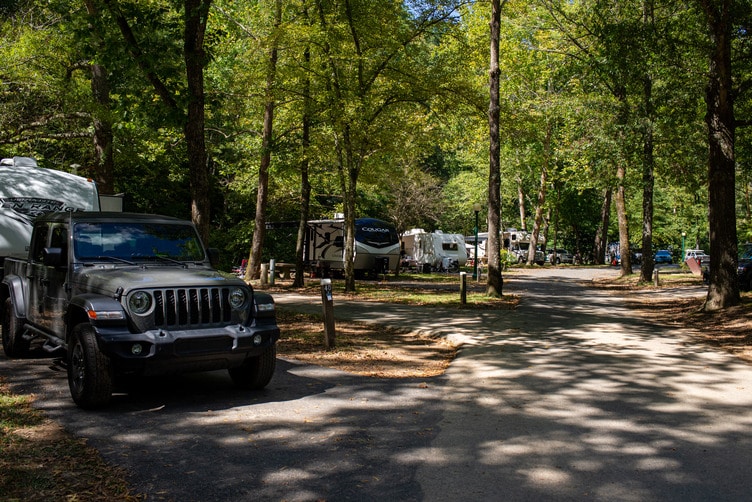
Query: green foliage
[407,94]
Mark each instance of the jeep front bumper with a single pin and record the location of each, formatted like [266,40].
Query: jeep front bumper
[162,351]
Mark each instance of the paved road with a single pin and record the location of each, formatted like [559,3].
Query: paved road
[566,398]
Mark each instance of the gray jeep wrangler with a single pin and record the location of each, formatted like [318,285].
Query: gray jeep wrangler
[130,294]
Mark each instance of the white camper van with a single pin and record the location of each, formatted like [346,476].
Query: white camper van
[436,251]
[27,191]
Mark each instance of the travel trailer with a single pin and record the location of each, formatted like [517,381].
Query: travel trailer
[516,242]
[28,191]
[435,251]
[377,246]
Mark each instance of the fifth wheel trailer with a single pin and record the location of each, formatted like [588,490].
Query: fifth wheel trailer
[28,191]
[377,247]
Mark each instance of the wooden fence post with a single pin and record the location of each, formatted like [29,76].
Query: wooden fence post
[463,288]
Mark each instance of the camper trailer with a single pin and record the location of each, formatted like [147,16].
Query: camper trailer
[376,246]
[435,251]
[516,242]
[28,191]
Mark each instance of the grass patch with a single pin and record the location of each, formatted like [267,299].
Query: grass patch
[437,290]
[40,461]
[447,296]
[670,279]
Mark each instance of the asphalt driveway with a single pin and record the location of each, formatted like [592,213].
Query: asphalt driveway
[567,398]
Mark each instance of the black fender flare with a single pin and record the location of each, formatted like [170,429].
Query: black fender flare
[14,289]
[96,309]
[263,299]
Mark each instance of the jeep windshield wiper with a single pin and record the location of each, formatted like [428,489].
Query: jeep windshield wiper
[171,260]
[160,258]
[109,258]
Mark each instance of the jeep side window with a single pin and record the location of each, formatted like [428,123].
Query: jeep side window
[40,242]
[59,239]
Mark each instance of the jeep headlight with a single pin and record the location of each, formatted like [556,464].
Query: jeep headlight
[237,298]
[140,302]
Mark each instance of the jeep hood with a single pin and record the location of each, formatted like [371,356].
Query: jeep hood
[106,280]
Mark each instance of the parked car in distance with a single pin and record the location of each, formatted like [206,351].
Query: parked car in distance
[697,254]
[562,256]
[744,268]
[663,256]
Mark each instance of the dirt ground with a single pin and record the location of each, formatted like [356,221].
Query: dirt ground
[364,349]
[731,329]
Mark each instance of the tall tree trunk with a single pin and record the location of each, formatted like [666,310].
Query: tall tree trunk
[621,178]
[621,214]
[541,197]
[196,16]
[305,183]
[349,179]
[104,170]
[253,271]
[724,289]
[601,236]
[521,199]
[648,181]
[493,246]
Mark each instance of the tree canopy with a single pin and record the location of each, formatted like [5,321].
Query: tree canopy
[240,113]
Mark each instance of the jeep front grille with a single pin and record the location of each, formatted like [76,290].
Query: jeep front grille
[176,308]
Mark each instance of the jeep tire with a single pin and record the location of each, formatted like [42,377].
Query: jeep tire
[255,372]
[14,344]
[89,370]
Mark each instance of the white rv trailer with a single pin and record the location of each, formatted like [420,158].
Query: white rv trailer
[27,191]
[376,246]
[436,250]
[517,242]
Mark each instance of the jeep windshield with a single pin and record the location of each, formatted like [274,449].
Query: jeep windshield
[133,241]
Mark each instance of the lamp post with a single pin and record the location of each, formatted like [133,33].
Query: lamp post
[684,235]
[476,208]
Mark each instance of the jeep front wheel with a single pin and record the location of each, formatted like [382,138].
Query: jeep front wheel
[14,344]
[255,372]
[89,371]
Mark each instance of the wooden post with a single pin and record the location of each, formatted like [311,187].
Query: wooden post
[328,303]
[272,264]
[463,288]
[264,273]
[657,278]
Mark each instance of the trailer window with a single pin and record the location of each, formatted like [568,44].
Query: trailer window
[376,234]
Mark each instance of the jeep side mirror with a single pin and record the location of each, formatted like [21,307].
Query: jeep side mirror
[213,254]
[52,257]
